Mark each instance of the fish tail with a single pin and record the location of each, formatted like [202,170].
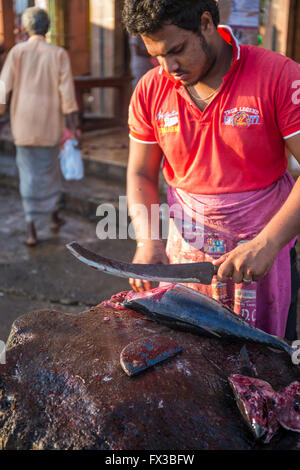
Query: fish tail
[285,346]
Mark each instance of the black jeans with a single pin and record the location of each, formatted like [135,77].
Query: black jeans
[291,327]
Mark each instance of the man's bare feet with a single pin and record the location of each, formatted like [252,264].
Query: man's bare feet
[56,222]
[31,239]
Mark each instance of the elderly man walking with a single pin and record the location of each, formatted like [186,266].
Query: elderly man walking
[39,77]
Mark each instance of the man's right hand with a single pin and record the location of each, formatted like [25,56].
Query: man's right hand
[73,124]
[148,252]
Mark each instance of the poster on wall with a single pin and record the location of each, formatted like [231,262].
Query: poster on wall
[41,4]
[244,13]
[243,17]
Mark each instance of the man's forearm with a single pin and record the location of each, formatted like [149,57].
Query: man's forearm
[72,121]
[254,259]
[285,225]
[142,193]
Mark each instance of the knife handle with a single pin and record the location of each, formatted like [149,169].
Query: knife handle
[216,269]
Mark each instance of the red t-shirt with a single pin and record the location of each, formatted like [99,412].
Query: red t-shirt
[238,142]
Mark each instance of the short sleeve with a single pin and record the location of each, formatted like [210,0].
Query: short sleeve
[7,79]
[140,126]
[66,84]
[287,97]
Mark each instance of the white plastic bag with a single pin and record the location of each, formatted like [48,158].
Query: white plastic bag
[71,163]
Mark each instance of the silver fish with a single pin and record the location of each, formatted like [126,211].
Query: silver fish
[179,306]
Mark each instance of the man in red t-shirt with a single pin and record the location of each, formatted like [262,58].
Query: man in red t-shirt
[219,116]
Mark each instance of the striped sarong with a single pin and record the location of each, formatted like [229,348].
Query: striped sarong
[40,180]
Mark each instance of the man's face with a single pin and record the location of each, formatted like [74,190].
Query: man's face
[182,53]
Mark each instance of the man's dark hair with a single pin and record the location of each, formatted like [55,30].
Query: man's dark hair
[148,16]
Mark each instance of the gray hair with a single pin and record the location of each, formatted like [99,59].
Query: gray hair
[35,21]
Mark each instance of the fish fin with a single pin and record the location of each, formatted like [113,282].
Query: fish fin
[248,368]
[278,351]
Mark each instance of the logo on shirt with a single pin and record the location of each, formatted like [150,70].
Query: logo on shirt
[241,117]
[168,122]
[215,246]
[245,294]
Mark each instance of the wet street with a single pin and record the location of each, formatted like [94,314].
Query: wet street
[47,276]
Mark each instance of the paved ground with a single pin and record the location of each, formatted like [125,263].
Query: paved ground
[48,276]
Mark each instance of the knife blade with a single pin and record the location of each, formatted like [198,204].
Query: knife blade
[201,273]
[147,352]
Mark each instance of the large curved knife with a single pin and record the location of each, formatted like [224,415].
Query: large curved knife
[173,273]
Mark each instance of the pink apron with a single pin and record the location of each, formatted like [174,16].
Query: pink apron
[214,225]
